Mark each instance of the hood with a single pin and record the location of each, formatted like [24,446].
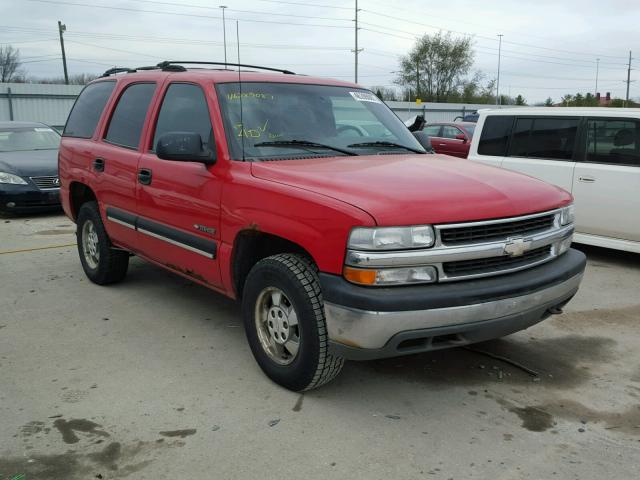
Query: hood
[416,189]
[30,163]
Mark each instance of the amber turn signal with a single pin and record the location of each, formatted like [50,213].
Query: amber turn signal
[360,276]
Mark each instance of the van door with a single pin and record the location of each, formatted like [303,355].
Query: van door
[544,147]
[179,201]
[115,161]
[606,185]
[489,145]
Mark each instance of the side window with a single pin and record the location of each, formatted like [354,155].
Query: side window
[615,142]
[495,135]
[432,130]
[450,132]
[520,139]
[184,109]
[553,138]
[86,111]
[128,117]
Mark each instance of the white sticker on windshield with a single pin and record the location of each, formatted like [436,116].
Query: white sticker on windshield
[365,97]
[42,129]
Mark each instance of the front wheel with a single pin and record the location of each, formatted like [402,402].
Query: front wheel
[284,320]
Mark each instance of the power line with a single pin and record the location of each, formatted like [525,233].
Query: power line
[191,15]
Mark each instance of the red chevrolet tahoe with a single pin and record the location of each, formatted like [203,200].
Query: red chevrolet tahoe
[311,203]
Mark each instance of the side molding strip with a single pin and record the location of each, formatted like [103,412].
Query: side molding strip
[193,243]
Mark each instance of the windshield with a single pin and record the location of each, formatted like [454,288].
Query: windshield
[286,120]
[20,139]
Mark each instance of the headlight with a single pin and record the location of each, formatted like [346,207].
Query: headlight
[567,215]
[12,179]
[391,276]
[391,238]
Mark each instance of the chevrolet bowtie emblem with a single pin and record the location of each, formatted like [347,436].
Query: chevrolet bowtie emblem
[517,247]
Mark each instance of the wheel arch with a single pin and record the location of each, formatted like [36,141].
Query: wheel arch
[79,193]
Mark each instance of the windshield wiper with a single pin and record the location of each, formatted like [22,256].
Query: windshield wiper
[383,144]
[303,144]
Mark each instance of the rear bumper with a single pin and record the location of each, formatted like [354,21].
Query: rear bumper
[366,323]
[25,198]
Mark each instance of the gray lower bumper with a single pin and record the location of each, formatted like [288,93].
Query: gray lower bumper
[362,334]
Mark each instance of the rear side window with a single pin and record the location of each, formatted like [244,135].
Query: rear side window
[184,109]
[128,117]
[495,135]
[520,138]
[553,138]
[615,142]
[86,111]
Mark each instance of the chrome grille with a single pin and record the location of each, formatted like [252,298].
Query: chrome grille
[477,249]
[495,264]
[48,182]
[492,231]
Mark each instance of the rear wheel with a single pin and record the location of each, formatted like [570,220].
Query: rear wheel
[284,320]
[102,263]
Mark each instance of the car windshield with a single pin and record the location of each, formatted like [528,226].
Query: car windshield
[286,120]
[20,139]
[470,129]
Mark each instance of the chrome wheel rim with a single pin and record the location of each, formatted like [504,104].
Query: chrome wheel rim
[277,326]
[90,244]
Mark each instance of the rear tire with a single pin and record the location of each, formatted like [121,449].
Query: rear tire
[102,263]
[284,320]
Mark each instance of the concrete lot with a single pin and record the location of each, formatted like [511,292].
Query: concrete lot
[152,378]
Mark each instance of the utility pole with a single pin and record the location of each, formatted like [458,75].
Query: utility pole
[224,34]
[63,28]
[357,50]
[628,80]
[418,80]
[499,58]
[597,72]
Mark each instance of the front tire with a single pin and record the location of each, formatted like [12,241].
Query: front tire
[284,320]
[102,263]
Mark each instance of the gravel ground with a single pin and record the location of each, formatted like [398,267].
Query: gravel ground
[152,378]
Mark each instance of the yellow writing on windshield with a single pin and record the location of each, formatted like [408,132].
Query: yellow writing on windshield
[248,95]
[252,132]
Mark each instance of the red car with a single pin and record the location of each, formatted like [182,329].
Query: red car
[339,242]
[451,138]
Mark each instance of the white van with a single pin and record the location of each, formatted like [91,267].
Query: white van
[594,153]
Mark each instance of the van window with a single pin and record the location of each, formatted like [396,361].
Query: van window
[615,142]
[184,109]
[86,111]
[520,139]
[495,135]
[553,138]
[128,117]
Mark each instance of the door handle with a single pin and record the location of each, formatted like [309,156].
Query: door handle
[586,179]
[144,176]
[98,164]
[443,144]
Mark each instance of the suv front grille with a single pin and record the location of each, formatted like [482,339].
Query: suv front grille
[487,232]
[47,182]
[495,264]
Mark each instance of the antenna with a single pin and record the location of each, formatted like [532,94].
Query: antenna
[240,89]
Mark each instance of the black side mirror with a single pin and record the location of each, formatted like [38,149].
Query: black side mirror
[424,140]
[184,147]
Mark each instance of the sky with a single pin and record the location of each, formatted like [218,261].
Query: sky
[549,47]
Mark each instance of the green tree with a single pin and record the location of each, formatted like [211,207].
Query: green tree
[548,102]
[520,100]
[435,66]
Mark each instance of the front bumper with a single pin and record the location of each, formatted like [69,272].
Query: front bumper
[367,323]
[27,198]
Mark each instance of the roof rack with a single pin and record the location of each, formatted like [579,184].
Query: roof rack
[177,66]
[114,70]
[175,63]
